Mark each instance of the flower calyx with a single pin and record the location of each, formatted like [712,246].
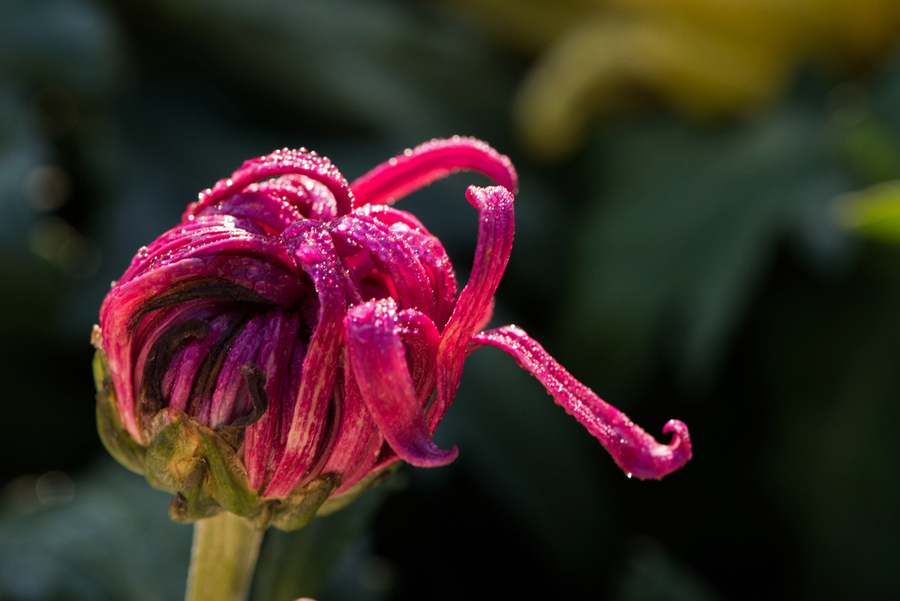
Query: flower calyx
[202,467]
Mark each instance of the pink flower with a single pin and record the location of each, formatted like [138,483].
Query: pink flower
[321,330]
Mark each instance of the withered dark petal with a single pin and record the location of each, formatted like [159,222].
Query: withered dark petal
[192,290]
[208,374]
[150,396]
[256,383]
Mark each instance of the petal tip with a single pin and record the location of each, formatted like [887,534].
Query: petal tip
[432,456]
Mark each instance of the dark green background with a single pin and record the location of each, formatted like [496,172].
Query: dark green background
[679,270]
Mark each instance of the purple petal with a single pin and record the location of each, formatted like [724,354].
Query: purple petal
[432,161]
[275,358]
[378,359]
[280,162]
[311,245]
[495,235]
[635,451]
[226,405]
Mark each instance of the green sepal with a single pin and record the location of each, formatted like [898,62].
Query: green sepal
[345,498]
[202,468]
[115,437]
[194,501]
[172,456]
[296,510]
[228,480]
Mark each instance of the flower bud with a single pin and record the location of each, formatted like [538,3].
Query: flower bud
[281,349]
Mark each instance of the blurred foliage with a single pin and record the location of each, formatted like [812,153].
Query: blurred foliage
[690,224]
[654,575]
[103,537]
[873,212]
[685,271]
[706,58]
[55,548]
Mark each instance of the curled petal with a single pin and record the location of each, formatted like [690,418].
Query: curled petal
[378,359]
[429,251]
[635,451]
[272,211]
[211,240]
[280,162]
[429,162]
[495,235]
[312,198]
[390,256]
[421,337]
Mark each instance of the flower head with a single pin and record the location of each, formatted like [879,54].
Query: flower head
[295,336]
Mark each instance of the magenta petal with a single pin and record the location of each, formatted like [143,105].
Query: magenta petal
[358,440]
[430,252]
[495,235]
[391,256]
[378,359]
[635,451]
[312,198]
[421,337]
[231,382]
[280,162]
[432,161]
[312,247]
[273,212]
[275,361]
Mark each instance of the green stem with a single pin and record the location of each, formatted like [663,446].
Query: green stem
[223,559]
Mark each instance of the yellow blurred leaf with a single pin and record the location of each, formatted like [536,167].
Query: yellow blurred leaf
[706,58]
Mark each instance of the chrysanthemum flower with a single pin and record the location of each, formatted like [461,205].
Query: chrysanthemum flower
[296,335]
